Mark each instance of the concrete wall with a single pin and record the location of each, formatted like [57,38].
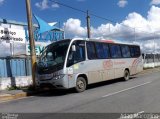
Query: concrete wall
[15,81]
[151,65]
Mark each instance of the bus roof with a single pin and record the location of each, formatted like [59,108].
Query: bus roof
[100,40]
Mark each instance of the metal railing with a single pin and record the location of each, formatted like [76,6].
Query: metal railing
[151,58]
[15,66]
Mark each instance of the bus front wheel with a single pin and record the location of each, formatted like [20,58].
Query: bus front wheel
[80,84]
[126,75]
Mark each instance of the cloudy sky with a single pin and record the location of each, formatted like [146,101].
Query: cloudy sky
[132,21]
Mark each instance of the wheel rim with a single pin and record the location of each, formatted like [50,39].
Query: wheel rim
[80,84]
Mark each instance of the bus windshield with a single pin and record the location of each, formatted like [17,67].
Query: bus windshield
[54,54]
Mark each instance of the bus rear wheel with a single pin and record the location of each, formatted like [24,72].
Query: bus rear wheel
[80,84]
[126,75]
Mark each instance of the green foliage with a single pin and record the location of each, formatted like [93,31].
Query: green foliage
[13,88]
[24,88]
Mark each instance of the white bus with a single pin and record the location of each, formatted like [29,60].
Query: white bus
[75,63]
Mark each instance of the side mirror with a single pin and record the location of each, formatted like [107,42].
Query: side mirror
[49,56]
[73,48]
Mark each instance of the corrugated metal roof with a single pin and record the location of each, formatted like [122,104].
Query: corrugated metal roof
[15,22]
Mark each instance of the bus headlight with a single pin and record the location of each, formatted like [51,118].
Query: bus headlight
[58,76]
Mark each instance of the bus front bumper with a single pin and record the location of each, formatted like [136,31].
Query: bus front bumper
[60,83]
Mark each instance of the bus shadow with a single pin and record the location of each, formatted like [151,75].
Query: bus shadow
[55,92]
[108,82]
[63,92]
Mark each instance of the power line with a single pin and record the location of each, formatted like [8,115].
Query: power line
[62,4]
[82,11]
[100,17]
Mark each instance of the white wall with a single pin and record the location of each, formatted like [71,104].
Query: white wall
[151,65]
[19,81]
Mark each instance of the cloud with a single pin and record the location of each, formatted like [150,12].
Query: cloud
[73,28]
[150,47]
[42,5]
[55,5]
[46,5]
[133,29]
[1,2]
[122,3]
[155,2]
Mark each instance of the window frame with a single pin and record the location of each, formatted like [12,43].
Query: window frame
[94,47]
[139,50]
[128,50]
[111,44]
[103,44]
[70,50]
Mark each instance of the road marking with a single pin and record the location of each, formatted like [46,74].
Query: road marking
[131,116]
[110,94]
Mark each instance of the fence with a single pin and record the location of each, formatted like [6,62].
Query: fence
[150,58]
[15,66]
[21,66]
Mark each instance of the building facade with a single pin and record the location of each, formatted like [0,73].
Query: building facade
[15,68]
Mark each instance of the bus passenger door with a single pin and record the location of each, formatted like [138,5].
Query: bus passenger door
[76,60]
[95,69]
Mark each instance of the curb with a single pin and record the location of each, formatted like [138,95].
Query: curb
[9,97]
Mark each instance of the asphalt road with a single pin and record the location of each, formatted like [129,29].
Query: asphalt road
[141,94]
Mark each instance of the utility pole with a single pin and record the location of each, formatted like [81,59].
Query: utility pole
[154,48]
[31,40]
[88,25]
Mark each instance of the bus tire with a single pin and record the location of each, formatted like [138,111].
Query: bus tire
[80,84]
[126,75]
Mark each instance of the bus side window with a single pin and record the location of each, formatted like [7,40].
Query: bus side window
[135,51]
[78,55]
[132,51]
[125,51]
[106,50]
[102,50]
[115,51]
[91,51]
